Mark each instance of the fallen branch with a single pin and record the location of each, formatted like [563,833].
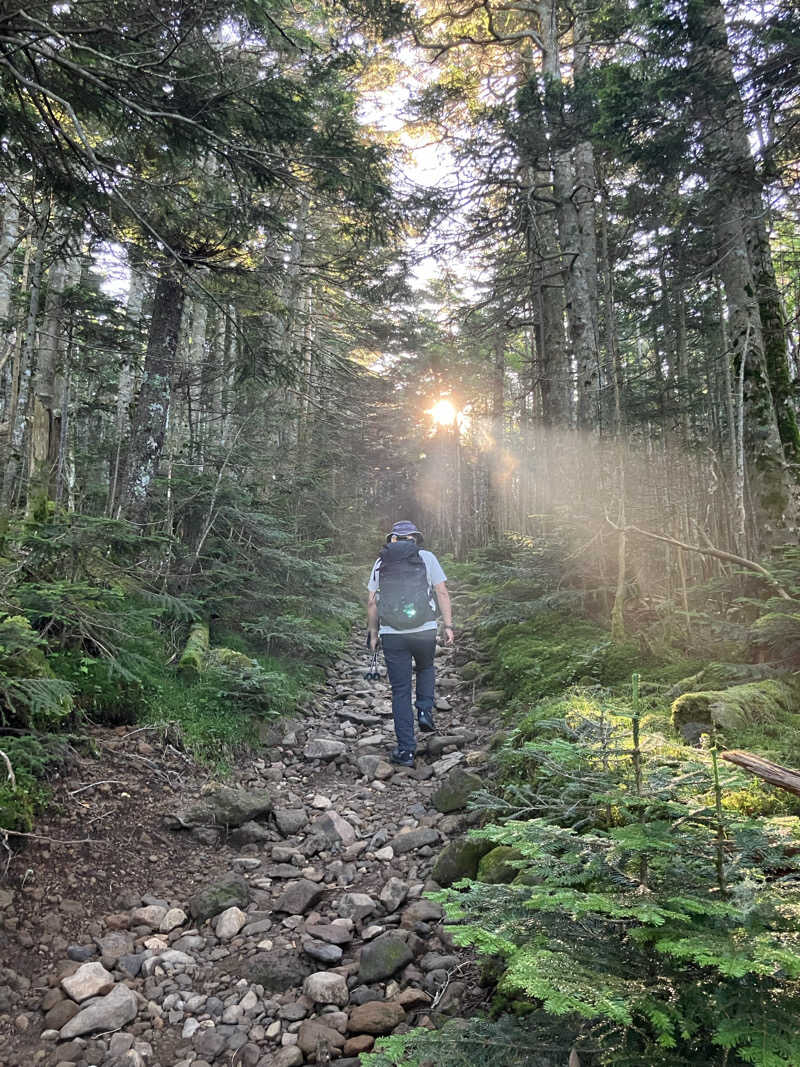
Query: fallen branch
[717,553]
[41,837]
[774,773]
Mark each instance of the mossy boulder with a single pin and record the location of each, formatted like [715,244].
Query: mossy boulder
[471,670]
[496,867]
[454,793]
[231,660]
[717,676]
[230,891]
[459,859]
[491,698]
[383,957]
[771,708]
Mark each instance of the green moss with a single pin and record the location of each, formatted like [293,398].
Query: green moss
[193,660]
[763,715]
[552,651]
[721,676]
[497,867]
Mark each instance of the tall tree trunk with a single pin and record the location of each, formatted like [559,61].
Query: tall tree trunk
[151,412]
[735,197]
[729,152]
[580,275]
[129,367]
[45,429]
[495,501]
[20,375]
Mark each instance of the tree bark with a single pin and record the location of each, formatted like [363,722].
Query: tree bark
[736,206]
[151,413]
[45,426]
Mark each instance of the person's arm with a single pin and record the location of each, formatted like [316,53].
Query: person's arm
[446,609]
[372,619]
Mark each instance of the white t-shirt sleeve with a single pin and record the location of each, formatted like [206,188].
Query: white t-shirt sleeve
[372,584]
[435,572]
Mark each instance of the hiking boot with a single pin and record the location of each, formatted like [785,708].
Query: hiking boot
[405,759]
[425,720]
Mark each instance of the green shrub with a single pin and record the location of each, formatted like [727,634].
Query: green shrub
[31,760]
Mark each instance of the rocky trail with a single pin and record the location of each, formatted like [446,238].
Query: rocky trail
[161,919]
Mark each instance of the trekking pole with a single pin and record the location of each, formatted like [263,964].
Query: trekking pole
[373,674]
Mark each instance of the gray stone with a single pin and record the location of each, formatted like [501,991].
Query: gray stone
[229,923]
[170,961]
[290,820]
[281,870]
[131,964]
[393,894]
[360,718]
[459,859]
[333,827]
[322,951]
[383,957]
[323,748]
[314,1034]
[224,806]
[115,945]
[90,980]
[414,839]
[299,896]
[174,918]
[59,1015]
[230,890]
[150,915]
[355,906]
[290,1056]
[81,953]
[376,1017]
[249,833]
[326,987]
[425,911]
[275,971]
[437,745]
[104,1013]
[435,961]
[332,932]
[209,1042]
[453,794]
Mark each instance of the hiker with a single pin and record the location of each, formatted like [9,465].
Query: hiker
[404,587]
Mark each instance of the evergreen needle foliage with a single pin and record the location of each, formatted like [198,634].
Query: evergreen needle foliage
[652,922]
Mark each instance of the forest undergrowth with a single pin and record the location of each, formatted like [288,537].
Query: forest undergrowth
[94,629]
[639,902]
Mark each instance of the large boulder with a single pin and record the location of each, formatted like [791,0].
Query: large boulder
[275,971]
[383,957]
[223,805]
[314,1035]
[103,1013]
[497,868]
[453,794]
[327,987]
[298,896]
[375,1017]
[459,859]
[230,891]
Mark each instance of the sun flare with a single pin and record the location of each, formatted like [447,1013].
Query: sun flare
[443,413]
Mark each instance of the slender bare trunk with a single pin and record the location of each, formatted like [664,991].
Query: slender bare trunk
[149,424]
